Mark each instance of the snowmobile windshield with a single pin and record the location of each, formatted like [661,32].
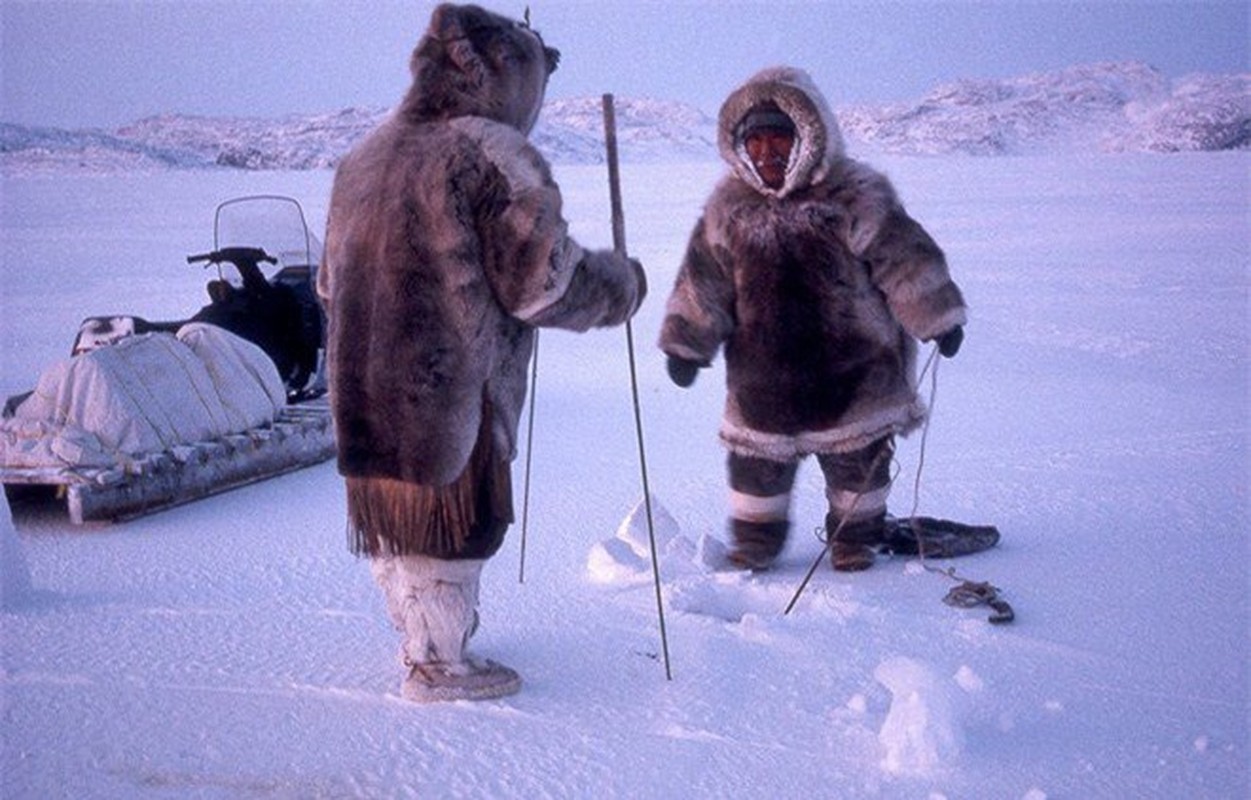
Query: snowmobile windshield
[273,223]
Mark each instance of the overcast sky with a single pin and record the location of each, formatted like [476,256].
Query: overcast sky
[103,63]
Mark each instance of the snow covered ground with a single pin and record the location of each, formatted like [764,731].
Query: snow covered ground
[1098,414]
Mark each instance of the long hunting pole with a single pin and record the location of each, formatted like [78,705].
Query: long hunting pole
[619,244]
[525,495]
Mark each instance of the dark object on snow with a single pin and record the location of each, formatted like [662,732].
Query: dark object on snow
[942,538]
[281,315]
[11,404]
[937,538]
[970,594]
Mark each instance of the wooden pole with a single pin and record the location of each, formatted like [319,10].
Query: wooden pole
[525,495]
[619,244]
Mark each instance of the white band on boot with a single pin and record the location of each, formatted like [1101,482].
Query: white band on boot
[860,505]
[753,508]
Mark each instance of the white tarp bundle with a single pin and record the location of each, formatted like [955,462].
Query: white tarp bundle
[145,394]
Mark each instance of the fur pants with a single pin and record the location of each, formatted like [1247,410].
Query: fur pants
[857,485]
[433,602]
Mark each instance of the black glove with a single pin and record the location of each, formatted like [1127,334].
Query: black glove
[682,372]
[949,342]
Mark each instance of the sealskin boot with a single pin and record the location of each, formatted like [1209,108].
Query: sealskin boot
[851,557]
[756,544]
[854,548]
[468,679]
[434,602]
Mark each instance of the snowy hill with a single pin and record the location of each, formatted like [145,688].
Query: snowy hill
[312,141]
[1113,107]
[1109,107]
[570,132]
[27,149]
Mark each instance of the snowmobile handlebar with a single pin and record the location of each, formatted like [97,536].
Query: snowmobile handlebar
[238,256]
[244,259]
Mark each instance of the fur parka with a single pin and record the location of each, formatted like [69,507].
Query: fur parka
[817,290]
[445,248]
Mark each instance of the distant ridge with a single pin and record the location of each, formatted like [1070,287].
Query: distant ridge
[1095,108]
[1110,107]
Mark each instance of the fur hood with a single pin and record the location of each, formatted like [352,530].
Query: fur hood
[818,138]
[466,66]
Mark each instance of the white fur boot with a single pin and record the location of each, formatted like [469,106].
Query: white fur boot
[433,602]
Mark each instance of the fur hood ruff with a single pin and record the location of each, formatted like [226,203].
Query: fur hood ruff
[819,139]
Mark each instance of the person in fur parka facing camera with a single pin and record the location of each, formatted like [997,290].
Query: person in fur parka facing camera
[805,267]
[445,249]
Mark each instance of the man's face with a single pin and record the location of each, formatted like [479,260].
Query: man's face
[770,151]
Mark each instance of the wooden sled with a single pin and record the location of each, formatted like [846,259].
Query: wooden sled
[302,435]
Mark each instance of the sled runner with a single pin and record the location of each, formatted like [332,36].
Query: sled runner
[299,436]
[146,415]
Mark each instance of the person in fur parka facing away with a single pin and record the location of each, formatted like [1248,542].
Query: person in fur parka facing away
[806,269]
[445,249]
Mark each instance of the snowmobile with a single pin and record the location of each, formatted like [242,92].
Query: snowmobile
[277,311]
[233,394]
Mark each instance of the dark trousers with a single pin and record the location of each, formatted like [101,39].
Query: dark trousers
[856,487]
